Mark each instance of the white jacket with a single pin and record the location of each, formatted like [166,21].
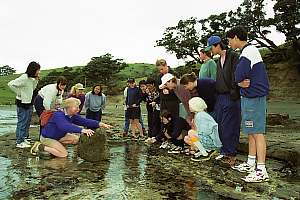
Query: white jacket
[50,97]
[23,86]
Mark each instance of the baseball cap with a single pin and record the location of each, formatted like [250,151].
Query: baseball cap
[130,80]
[164,79]
[211,41]
[79,86]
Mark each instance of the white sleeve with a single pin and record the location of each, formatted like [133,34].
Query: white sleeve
[16,84]
[49,97]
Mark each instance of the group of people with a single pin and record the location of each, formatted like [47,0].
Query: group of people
[60,120]
[205,112]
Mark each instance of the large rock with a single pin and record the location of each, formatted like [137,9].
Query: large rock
[277,119]
[94,148]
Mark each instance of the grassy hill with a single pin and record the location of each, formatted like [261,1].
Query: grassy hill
[136,70]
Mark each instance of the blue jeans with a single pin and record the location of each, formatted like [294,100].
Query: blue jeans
[24,118]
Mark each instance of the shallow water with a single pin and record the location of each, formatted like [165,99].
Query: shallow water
[8,119]
[128,174]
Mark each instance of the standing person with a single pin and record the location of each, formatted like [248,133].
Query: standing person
[252,78]
[227,108]
[126,120]
[133,112]
[172,84]
[95,102]
[63,128]
[153,107]
[205,136]
[50,96]
[77,91]
[209,67]
[24,86]
[205,87]
[168,99]
[143,90]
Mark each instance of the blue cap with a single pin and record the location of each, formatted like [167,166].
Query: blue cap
[211,41]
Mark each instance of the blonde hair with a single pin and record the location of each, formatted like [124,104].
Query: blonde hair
[71,102]
[197,104]
[73,90]
[161,62]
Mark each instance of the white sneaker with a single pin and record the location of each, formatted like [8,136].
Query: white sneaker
[23,145]
[256,177]
[219,157]
[244,167]
[27,141]
[164,145]
[175,150]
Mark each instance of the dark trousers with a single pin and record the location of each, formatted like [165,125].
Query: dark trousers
[154,123]
[39,108]
[94,115]
[38,105]
[228,117]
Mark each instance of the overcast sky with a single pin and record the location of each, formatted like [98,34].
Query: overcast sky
[59,33]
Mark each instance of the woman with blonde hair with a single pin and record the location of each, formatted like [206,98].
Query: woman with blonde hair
[205,137]
[77,91]
[65,128]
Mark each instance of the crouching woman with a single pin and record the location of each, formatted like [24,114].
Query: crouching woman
[205,137]
[63,128]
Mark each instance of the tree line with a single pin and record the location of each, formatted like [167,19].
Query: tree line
[188,35]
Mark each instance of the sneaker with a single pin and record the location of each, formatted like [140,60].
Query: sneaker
[125,134]
[244,167]
[200,158]
[226,161]
[27,141]
[35,148]
[219,157]
[23,145]
[256,177]
[171,146]
[175,150]
[164,145]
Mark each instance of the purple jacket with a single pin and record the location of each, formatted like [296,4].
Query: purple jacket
[60,124]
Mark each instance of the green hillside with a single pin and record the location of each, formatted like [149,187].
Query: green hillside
[136,70]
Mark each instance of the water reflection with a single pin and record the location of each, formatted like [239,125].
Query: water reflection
[8,119]
[131,172]
[8,178]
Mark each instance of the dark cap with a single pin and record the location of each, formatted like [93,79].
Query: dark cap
[130,80]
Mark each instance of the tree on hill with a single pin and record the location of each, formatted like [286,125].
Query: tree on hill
[183,39]
[103,69]
[287,16]
[6,70]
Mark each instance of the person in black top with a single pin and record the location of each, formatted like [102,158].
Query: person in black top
[153,107]
[227,108]
[174,130]
[168,99]
[133,112]
[206,89]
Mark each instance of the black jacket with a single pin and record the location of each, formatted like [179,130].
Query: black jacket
[225,83]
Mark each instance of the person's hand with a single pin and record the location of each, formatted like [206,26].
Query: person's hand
[103,125]
[150,140]
[245,83]
[152,104]
[134,105]
[165,91]
[88,132]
